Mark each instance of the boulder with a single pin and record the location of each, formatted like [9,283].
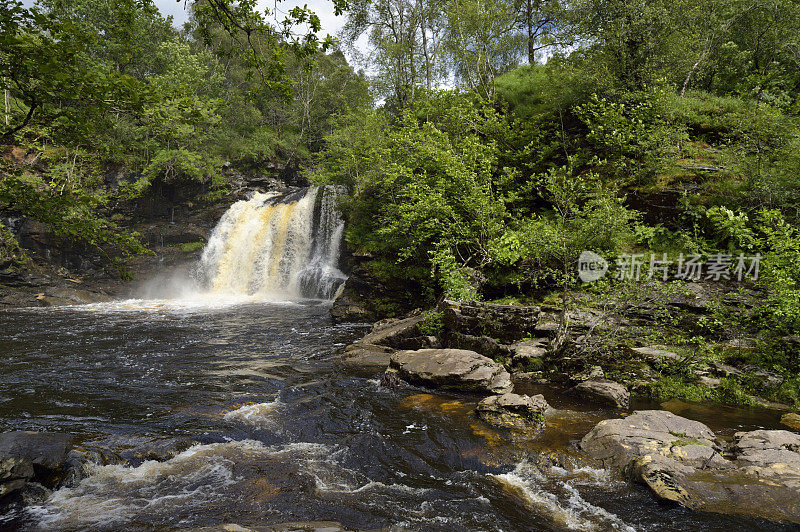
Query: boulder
[513,411]
[681,460]
[791,420]
[506,323]
[617,442]
[603,392]
[451,369]
[32,456]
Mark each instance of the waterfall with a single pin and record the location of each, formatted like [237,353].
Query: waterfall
[277,244]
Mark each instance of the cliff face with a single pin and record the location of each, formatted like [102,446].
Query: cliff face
[174,223]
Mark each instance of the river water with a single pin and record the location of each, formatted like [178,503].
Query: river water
[268,427]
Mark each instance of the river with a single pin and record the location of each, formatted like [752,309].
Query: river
[268,427]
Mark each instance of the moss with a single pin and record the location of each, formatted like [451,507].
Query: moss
[191,247]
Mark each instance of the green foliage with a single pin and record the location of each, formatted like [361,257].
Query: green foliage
[431,324]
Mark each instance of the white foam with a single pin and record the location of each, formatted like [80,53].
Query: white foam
[258,414]
[559,499]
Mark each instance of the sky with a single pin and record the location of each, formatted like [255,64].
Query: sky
[331,24]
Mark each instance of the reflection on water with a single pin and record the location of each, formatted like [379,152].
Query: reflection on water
[198,413]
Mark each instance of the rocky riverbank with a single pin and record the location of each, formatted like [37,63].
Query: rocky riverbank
[493,350]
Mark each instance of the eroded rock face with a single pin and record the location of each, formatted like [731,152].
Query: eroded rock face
[32,456]
[603,392]
[513,411]
[682,461]
[506,323]
[451,369]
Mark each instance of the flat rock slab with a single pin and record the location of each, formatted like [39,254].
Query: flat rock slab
[361,354]
[603,392]
[451,369]
[682,461]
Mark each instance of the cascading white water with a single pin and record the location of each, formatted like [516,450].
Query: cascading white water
[273,244]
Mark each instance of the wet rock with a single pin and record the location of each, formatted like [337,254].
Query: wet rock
[603,392]
[32,456]
[299,526]
[348,305]
[791,420]
[360,354]
[452,369]
[513,411]
[680,461]
[506,323]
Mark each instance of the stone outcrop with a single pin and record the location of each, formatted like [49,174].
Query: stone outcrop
[505,323]
[451,369]
[32,457]
[513,411]
[603,392]
[683,461]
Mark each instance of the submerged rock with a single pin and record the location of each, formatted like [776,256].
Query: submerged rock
[32,456]
[513,411]
[682,461]
[451,369]
[603,392]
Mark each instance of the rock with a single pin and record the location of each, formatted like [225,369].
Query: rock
[513,411]
[397,333]
[655,353]
[451,369]
[592,374]
[506,323]
[617,442]
[724,370]
[709,382]
[791,420]
[603,392]
[524,352]
[32,456]
[484,345]
[360,354]
[767,448]
[546,329]
[347,305]
[679,460]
